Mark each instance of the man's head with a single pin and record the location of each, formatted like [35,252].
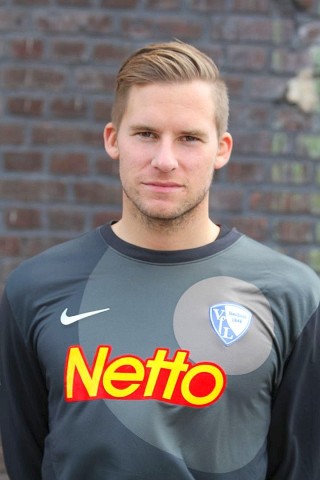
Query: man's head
[172,62]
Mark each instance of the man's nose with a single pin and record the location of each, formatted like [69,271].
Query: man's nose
[165,157]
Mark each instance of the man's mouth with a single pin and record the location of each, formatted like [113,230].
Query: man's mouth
[163,186]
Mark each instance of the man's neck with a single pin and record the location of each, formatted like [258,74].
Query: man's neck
[164,235]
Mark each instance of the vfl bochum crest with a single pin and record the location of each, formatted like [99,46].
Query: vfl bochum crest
[230,321]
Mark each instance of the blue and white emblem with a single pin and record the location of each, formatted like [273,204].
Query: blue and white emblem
[230,321]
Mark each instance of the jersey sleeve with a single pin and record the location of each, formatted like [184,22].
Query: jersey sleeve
[23,401]
[294,438]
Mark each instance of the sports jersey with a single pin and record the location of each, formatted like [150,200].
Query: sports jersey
[118,362]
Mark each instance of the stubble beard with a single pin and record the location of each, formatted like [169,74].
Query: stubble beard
[167,222]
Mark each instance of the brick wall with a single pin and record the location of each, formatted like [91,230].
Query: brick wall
[58,60]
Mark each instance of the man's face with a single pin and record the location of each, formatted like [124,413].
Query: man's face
[168,149]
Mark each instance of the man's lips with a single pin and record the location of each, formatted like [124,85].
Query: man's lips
[163,186]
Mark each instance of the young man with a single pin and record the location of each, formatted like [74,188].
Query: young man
[163,346]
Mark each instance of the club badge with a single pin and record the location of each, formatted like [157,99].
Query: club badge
[230,321]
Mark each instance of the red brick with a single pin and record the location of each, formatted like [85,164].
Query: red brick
[301,254]
[294,232]
[11,134]
[313,259]
[208,5]
[94,80]
[14,77]
[267,87]
[75,107]
[304,4]
[48,78]
[15,161]
[102,110]
[119,3]
[26,106]
[110,52]
[6,266]
[245,172]
[69,50]
[75,3]
[257,228]
[27,48]
[73,21]
[315,202]
[280,144]
[32,190]
[9,246]
[288,61]
[30,3]
[184,29]
[66,220]
[2,48]
[290,119]
[280,202]
[235,83]
[291,173]
[106,216]
[97,193]
[72,163]
[23,218]
[106,166]
[43,77]
[250,6]
[162,26]
[239,28]
[226,199]
[308,145]
[245,57]
[162,4]
[283,28]
[217,53]
[51,134]
[11,19]
[33,245]
[253,116]
[243,142]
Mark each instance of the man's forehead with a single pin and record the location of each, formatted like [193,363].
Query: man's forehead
[196,97]
[177,91]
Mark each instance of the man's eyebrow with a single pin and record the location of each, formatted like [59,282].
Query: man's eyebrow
[195,133]
[141,128]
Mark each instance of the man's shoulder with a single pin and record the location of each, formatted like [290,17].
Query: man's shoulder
[59,260]
[279,270]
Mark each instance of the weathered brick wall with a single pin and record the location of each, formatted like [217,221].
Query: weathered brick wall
[58,60]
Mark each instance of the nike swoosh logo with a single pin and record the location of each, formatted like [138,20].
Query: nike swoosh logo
[68,320]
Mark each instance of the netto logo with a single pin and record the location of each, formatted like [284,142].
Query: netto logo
[129,377]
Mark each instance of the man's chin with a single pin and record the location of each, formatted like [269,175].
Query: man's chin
[166,219]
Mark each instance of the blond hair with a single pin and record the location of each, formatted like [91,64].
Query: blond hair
[171,62]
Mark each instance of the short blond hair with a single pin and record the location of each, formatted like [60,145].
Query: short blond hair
[171,62]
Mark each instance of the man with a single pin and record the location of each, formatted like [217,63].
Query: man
[162,346]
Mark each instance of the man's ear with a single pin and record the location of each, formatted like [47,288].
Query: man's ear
[224,150]
[110,141]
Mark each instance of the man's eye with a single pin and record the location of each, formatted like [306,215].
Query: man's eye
[146,134]
[190,138]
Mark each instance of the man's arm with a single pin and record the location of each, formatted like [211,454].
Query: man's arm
[294,439]
[23,401]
